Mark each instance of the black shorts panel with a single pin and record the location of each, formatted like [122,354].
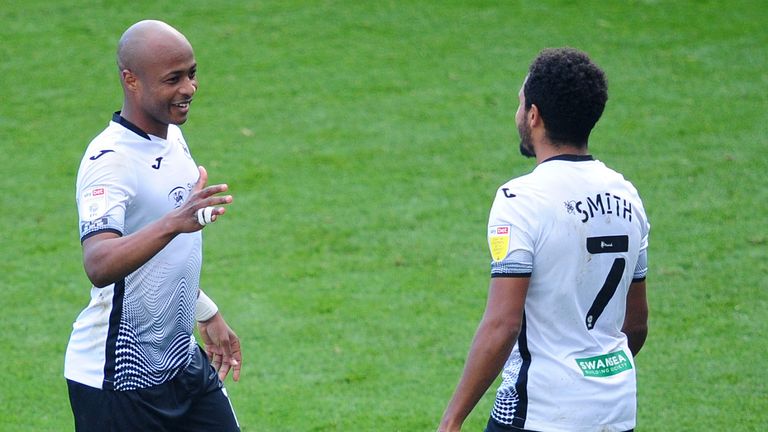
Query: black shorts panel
[195,400]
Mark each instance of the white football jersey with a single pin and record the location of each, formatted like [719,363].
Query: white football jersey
[137,332]
[579,231]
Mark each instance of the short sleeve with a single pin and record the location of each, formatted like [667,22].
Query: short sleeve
[641,269]
[509,238]
[104,189]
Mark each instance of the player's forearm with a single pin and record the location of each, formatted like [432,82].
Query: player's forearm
[636,318]
[636,338]
[108,260]
[490,349]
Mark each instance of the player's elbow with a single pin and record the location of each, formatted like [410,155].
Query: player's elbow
[505,329]
[99,259]
[97,272]
[97,277]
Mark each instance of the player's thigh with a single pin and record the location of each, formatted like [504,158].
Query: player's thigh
[97,410]
[211,412]
[210,408]
[89,407]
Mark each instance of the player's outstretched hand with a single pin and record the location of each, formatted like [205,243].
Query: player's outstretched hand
[222,346]
[203,206]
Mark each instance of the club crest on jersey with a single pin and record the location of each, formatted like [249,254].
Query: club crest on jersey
[498,241]
[93,203]
[177,196]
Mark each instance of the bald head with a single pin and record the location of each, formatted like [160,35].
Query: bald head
[147,40]
[158,73]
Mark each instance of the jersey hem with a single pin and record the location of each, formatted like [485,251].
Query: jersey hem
[77,378]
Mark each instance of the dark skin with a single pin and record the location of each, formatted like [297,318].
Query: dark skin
[158,72]
[636,319]
[108,257]
[500,326]
[158,75]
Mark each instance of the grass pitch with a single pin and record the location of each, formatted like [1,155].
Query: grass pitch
[363,142]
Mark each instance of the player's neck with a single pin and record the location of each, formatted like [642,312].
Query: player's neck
[144,122]
[547,150]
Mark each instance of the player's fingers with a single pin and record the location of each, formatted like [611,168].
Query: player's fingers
[213,189]
[236,369]
[201,180]
[236,353]
[237,358]
[213,349]
[217,201]
[236,372]
[209,197]
[216,361]
[229,345]
[209,353]
[208,213]
[225,367]
[218,211]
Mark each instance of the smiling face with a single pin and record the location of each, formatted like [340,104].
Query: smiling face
[167,87]
[159,75]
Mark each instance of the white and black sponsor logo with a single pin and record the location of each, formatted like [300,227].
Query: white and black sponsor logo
[94,225]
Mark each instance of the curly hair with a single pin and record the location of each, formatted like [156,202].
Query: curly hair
[570,92]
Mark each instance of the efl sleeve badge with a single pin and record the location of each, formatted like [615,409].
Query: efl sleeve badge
[93,203]
[498,241]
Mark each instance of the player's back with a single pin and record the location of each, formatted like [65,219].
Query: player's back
[589,230]
[584,226]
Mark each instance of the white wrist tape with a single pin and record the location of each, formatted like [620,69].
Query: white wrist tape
[205,215]
[205,308]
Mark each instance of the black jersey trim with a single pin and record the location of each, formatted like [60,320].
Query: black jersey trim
[510,275]
[640,279]
[117,118]
[91,234]
[110,357]
[521,386]
[570,158]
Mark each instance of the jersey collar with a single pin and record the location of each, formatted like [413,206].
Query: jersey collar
[570,158]
[117,118]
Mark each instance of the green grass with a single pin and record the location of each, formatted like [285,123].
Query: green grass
[363,142]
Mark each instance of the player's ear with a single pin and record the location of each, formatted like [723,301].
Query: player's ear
[130,79]
[533,116]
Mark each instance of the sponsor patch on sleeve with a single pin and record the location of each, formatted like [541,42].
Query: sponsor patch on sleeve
[93,203]
[498,241]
